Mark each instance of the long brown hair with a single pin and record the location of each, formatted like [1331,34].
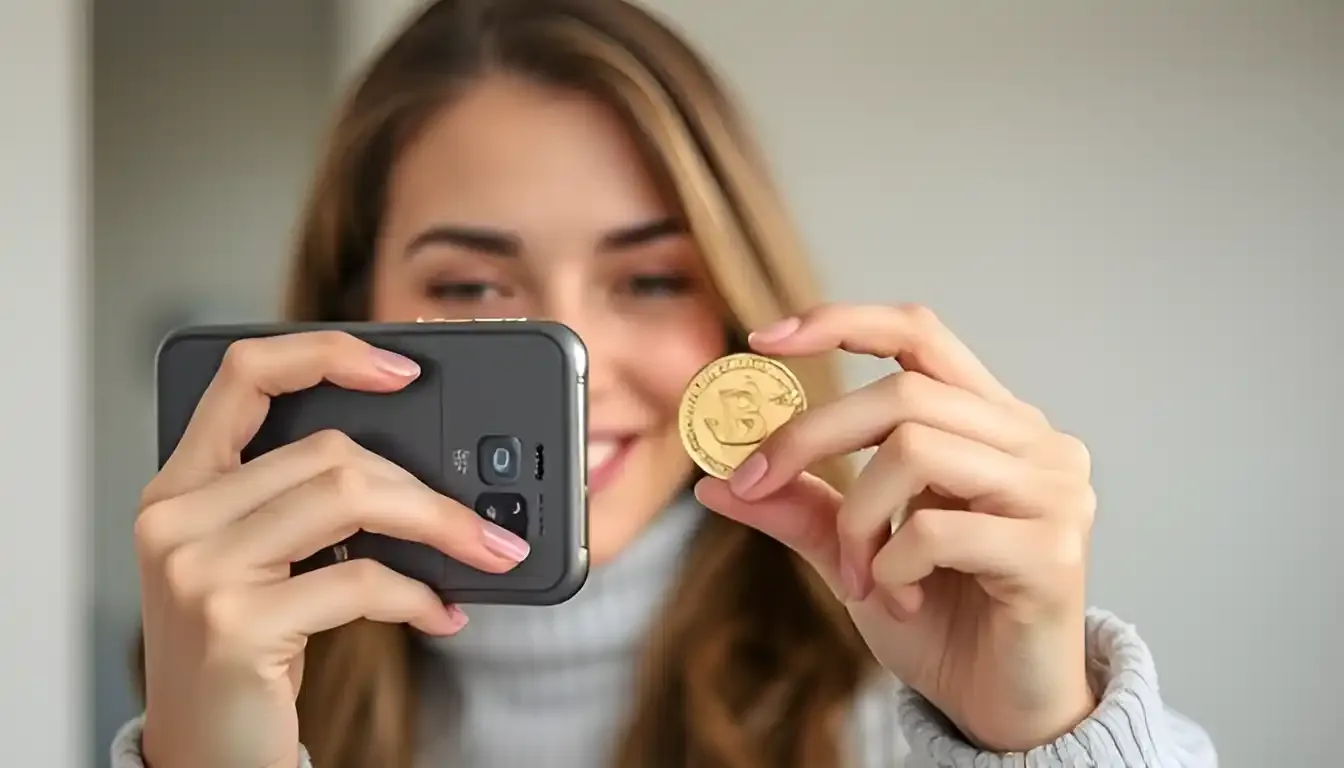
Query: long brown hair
[753,663]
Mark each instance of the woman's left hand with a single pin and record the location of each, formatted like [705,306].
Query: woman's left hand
[976,600]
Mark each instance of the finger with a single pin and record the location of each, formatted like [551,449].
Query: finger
[255,370]
[917,458]
[168,524]
[868,415]
[336,504]
[968,542]
[911,334]
[339,594]
[801,516]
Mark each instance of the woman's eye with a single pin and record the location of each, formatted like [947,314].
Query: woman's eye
[463,291]
[659,285]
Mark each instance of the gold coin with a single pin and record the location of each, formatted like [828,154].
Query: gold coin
[732,405]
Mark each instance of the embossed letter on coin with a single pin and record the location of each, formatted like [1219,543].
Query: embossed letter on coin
[732,405]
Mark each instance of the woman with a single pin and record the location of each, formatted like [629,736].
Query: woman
[573,159]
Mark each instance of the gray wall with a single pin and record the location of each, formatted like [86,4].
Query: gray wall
[43,240]
[1131,212]
[206,120]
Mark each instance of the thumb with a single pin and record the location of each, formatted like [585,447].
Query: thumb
[800,515]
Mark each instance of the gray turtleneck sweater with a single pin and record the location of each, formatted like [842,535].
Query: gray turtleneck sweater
[550,686]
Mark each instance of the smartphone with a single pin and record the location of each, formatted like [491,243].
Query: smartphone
[497,420]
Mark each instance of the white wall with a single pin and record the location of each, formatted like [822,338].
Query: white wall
[43,173]
[206,118]
[1130,211]
[362,27]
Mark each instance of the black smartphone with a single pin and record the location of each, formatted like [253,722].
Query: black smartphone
[497,420]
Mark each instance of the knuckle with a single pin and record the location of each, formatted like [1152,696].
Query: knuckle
[346,481]
[334,446]
[1033,413]
[909,386]
[883,576]
[1076,453]
[364,577]
[1067,548]
[222,613]
[907,442]
[919,316]
[332,342]
[153,529]
[886,571]
[153,492]
[1085,505]
[242,358]
[180,572]
[922,528]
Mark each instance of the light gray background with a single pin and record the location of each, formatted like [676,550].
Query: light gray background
[1135,214]
[44,125]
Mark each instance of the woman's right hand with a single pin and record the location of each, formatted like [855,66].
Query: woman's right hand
[224,623]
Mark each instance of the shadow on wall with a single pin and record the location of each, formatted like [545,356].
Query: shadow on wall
[115,632]
[206,119]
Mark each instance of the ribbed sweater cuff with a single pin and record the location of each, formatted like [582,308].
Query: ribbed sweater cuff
[126,747]
[1129,728]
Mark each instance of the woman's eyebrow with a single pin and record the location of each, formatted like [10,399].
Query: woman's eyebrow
[492,242]
[504,243]
[642,234]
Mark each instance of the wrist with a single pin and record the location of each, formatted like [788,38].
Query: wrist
[154,752]
[1029,730]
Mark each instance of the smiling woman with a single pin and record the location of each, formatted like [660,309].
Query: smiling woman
[574,160]
[559,222]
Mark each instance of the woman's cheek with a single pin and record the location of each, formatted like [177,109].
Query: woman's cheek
[678,351]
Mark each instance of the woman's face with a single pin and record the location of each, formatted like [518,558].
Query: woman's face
[522,201]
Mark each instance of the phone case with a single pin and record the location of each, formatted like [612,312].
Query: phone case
[485,386]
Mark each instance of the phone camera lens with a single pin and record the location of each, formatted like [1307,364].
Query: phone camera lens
[500,459]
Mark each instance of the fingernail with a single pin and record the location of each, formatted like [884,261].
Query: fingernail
[853,586]
[895,609]
[696,489]
[776,331]
[397,365]
[748,474]
[455,619]
[503,543]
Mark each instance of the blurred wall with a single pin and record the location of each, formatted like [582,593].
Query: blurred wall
[43,240]
[206,119]
[1131,211]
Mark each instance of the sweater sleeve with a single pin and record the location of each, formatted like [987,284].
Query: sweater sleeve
[126,747]
[1131,727]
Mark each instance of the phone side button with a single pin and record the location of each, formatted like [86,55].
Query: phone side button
[583,519]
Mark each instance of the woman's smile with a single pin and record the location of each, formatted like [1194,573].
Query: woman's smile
[606,458]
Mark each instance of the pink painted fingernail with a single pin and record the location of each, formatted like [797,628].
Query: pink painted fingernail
[776,331]
[503,543]
[397,365]
[748,474]
[455,619]
[852,584]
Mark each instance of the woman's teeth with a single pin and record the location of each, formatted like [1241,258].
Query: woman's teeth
[600,451]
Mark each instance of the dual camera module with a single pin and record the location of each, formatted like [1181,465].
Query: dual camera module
[499,460]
